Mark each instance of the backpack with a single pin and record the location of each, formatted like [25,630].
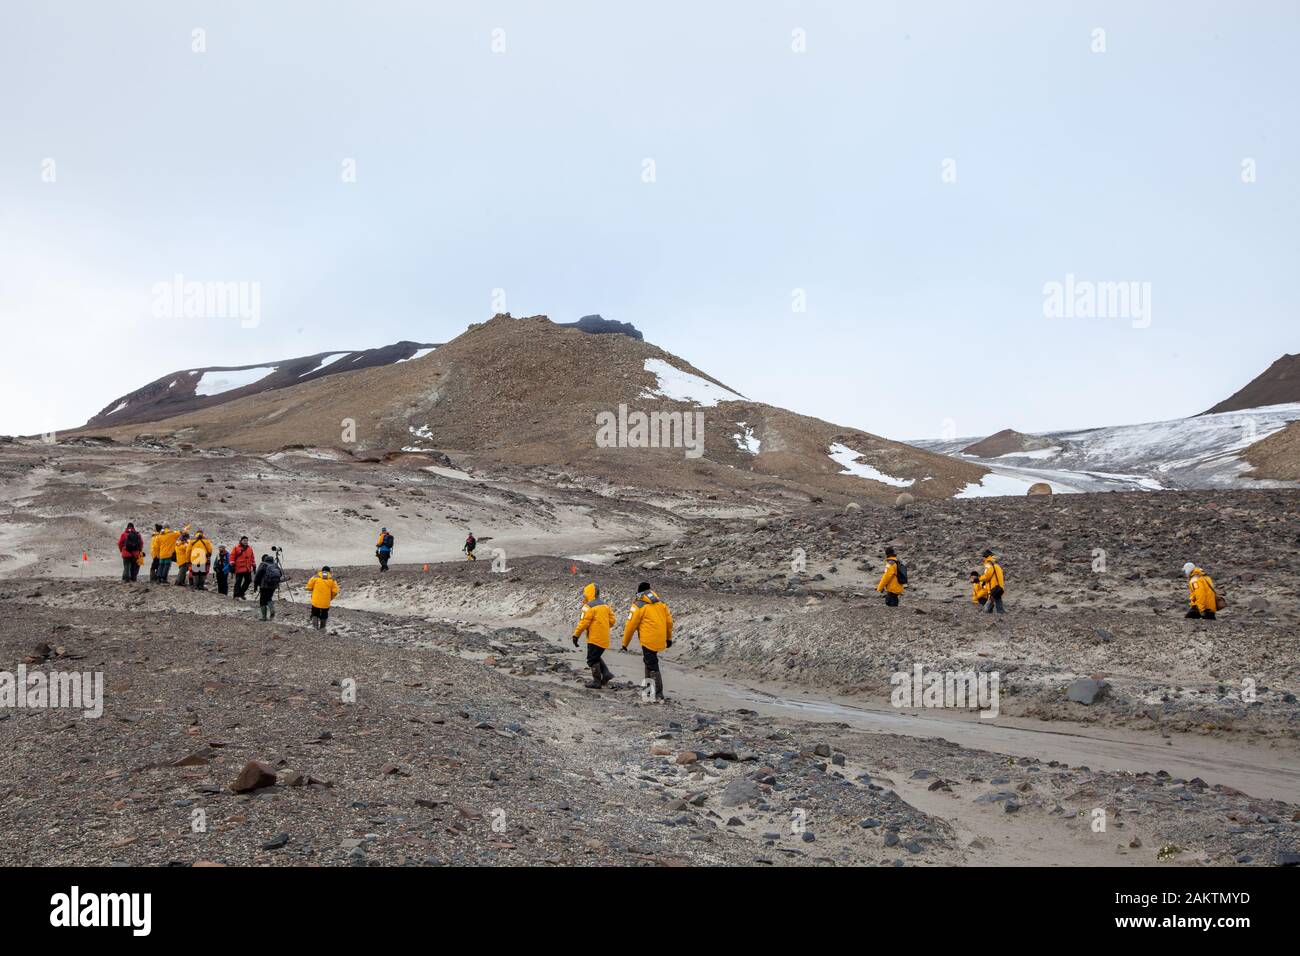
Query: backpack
[133,541]
[271,575]
[1219,603]
[388,541]
[902,571]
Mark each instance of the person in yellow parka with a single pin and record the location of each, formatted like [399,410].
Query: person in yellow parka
[889,583]
[166,552]
[199,556]
[993,579]
[1202,597]
[324,589]
[597,621]
[979,592]
[652,623]
[155,545]
[183,545]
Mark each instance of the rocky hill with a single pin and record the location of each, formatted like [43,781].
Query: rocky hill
[1006,442]
[192,389]
[1278,384]
[533,395]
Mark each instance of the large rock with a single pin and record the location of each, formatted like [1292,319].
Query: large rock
[903,500]
[739,792]
[254,776]
[1040,488]
[1086,690]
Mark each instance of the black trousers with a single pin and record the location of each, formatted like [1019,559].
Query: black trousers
[129,569]
[891,600]
[153,569]
[242,580]
[264,596]
[651,661]
[222,578]
[596,659]
[383,560]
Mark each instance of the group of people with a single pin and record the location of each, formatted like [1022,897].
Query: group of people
[195,557]
[649,621]
[989,585]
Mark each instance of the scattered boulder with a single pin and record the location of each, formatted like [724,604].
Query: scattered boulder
[1039,488]
[903,500]
[254,776]
[1086,690]
[740,791]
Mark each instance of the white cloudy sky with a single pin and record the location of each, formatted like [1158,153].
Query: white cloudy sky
[776,171]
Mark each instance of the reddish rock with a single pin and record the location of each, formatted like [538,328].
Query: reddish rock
[254,776]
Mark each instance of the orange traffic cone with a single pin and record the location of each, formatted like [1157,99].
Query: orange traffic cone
[426,569]
[573,569]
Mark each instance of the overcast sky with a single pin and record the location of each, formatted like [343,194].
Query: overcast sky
[795,146]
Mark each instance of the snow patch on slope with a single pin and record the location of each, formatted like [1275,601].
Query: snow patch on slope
[330,360]
[684,387]
[746,441]
[216,383]
[847,458]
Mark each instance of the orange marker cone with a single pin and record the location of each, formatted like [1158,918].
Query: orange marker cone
[573,569]
[426,569]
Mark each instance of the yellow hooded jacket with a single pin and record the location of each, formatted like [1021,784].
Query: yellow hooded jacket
[889,580]
[651,622]
[183,552]
[167,546]
[323,589]
[978,590]
[1200,591]
[992,576]
[155,543]
[199,554]
[597,618]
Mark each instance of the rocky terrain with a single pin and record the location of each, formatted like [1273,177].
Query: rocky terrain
[471,739]
[227,741]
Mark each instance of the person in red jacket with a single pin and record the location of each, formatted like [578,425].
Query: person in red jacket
[242,562]
[131,546]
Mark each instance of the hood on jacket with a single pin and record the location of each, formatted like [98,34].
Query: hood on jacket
[591,592]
